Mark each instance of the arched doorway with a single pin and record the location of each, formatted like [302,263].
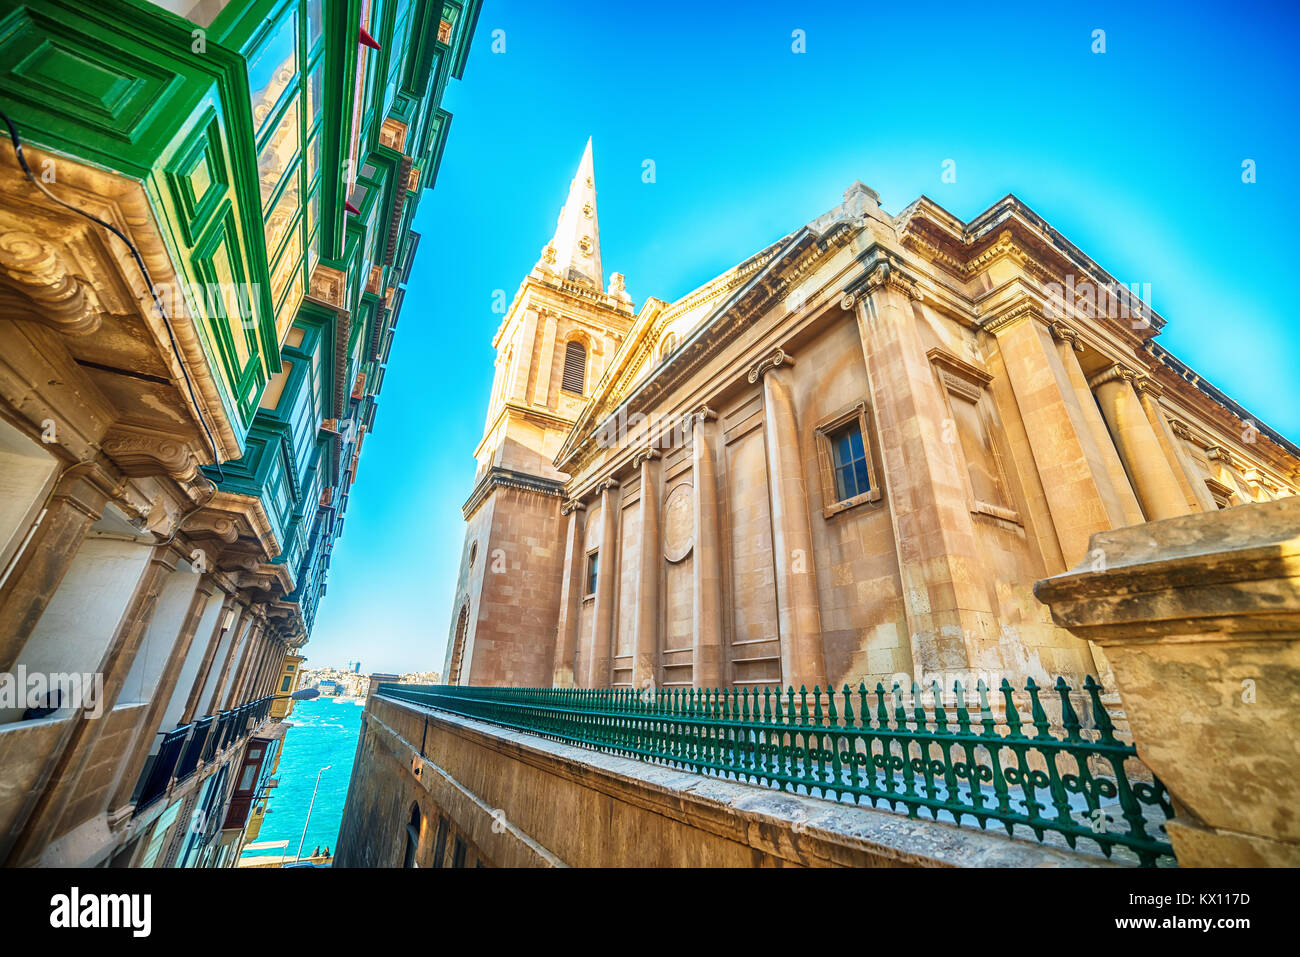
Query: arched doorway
[458,646]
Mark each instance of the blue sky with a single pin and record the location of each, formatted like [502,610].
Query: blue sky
[1135,154]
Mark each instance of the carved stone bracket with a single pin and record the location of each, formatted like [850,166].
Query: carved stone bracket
[141,452]
[35,285]
[208,523]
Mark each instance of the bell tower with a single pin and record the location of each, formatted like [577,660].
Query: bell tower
[559,335]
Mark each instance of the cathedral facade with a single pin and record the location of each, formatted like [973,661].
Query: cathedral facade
[849,457]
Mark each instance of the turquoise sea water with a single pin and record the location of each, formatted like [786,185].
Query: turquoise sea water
[324,732]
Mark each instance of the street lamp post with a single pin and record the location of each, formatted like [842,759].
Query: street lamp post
[298,856]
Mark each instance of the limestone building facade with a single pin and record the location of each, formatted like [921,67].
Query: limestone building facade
[849,457]
[203,255]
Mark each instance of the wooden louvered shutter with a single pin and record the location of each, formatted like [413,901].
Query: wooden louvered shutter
[575,368]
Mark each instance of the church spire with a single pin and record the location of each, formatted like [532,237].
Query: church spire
[574,253]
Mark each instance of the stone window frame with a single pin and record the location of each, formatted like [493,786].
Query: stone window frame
[822,431]
[967,382]
[587,577]
[585,341]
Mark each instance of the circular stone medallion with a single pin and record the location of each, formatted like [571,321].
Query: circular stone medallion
[679,522]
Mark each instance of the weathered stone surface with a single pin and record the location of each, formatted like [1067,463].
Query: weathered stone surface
[1200,618]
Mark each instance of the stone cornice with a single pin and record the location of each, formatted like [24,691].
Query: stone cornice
[497,477]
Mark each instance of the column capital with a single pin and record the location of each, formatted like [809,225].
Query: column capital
[702,414]
[1145,385]
[570,505]
[1063,333]
[642,456]
[765,365]
[884,274]
[610,484]
[1114,371]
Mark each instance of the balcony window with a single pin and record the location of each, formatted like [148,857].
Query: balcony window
[273,67]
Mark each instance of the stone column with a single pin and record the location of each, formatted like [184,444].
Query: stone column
[242,627]
[134,755]
[1200,617]
[645,663]
[274,651]
[950,623]
[209,655]
[255,643]
[523,359]
[600,673]
[708,667]
[545,361]
[77,503]
[35,825]
[1182,437]
[1121,500]
[1157,488]
[566,633]
[799,615]
[1149,394]
[1080,496]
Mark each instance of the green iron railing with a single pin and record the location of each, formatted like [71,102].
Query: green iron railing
[949,764]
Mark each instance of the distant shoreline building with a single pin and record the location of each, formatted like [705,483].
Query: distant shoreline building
[849,458]
[201,271]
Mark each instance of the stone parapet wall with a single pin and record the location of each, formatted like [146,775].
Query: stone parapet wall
[522,801]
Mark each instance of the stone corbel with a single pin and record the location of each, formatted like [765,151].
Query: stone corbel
[35,285]
[260,581]
[141,452]
[774,361]
[209,524]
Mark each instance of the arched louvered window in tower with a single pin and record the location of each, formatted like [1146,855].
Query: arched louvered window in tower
[575,367]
